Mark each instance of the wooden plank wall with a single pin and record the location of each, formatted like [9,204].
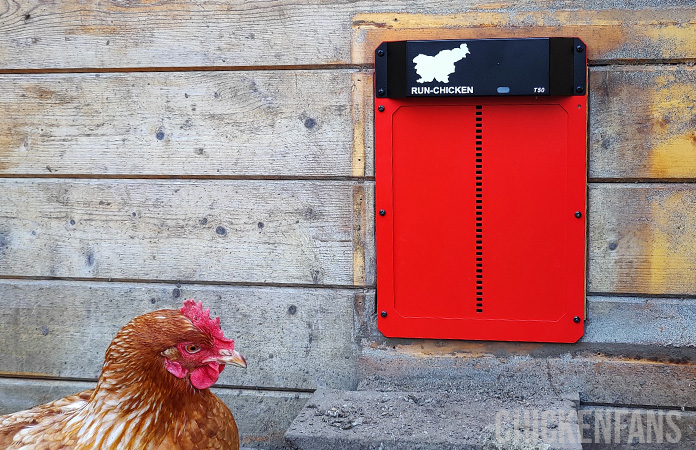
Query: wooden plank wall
[156,151]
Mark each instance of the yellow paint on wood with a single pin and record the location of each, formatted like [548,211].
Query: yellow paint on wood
[642,239]
[671,246]
[659,18]
[429,348]
[359,234]
[642,122]
[672,155]
[674,34]
[675,157]
[645,33]
[359,105]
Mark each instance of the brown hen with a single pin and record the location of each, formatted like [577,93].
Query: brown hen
[152,393]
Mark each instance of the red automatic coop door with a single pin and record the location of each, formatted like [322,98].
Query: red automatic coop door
[481,194]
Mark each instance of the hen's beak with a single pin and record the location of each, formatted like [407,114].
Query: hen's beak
[231,357]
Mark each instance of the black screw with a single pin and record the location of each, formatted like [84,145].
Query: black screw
[579,89]
[380,108]
[380,52]
[383,314]
[382,212]
[576,319]
[579,48]
[380,92]
[578,214]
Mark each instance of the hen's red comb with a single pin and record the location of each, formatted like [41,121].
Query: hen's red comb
[201,320]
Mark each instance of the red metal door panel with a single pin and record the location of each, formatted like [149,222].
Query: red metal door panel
[477,234]
[525,190]
[433,156]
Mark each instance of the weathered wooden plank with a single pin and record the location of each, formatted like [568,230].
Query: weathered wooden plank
[643,122]
[291,337]
[655,322]
[250,231]
[641,239]
[262,416]
[70,34]
[17,394]
[598,378]
[249,123]
[363,123]
[611,35]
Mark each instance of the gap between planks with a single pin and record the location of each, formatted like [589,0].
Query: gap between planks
[640,180]
[357,67]
[32,377]
[640,295]
[190,177]
[188,282]
[185,69]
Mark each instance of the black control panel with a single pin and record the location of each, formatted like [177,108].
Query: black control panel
[481,67]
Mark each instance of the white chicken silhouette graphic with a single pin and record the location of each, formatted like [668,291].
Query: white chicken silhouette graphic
[440,66]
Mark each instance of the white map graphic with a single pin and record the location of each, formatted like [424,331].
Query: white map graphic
[440,66]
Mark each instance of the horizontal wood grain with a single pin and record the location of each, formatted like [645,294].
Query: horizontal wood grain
[655,323]
[611,35]
[292,338]
[72,34]
[295,124]
[262,416]
[641,238]
[250,123]
[597,377]
[645,322]
[363,124]
[242,231]
[642,122]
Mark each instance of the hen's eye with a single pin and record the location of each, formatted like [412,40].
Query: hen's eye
[192,348]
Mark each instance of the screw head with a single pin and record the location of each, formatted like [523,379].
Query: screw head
[580,48]
[382,212]
[380,108]
[380,92]
[381,52]
[383,314]
[576,319]
[578,214]
[579,89]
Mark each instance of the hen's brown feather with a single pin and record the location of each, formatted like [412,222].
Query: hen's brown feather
[209,429]
[40,415]
[137,404]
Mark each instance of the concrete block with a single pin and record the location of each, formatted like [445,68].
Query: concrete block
[434,420]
